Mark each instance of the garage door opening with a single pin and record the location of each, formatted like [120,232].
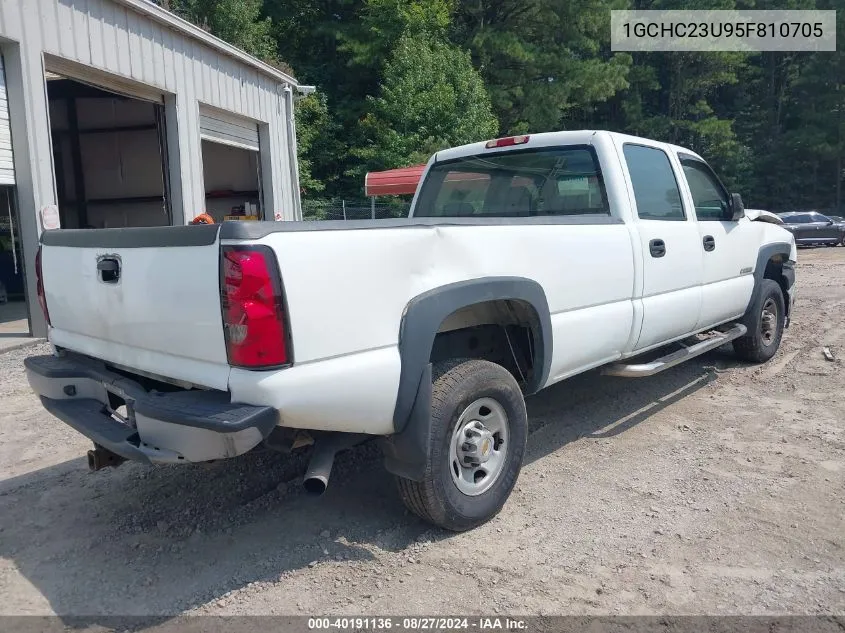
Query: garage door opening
[232,182]
[14,316]
[109,156]
[231,166]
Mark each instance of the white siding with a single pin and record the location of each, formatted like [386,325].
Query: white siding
[133,43]
[7,167]
[115,39]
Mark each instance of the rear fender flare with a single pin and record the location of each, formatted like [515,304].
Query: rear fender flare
[406,450]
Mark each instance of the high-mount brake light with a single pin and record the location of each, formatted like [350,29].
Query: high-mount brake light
[39,286]
[254,319]
[507,141]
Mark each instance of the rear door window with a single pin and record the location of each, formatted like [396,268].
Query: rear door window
[655,188]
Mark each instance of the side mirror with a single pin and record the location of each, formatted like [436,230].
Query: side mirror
[737,207]
[829,222]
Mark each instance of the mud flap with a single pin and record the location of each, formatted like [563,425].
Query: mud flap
[406,452]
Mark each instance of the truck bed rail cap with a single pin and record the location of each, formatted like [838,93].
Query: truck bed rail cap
[141,237]
[257,230]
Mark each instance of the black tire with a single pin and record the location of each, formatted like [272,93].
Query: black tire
[762,340]
[456,385]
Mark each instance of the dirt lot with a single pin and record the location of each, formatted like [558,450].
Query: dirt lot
[715,488]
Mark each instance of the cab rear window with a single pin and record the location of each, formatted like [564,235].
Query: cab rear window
[522,183]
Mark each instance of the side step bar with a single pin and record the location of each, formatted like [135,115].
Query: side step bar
[675,358]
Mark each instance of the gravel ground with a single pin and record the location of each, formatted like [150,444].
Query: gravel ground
[714,488]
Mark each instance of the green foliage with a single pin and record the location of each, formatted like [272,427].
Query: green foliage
[399,79]
[239,22]
[431,98]
[676,98]
[312,123]
[542,59]
[384,22]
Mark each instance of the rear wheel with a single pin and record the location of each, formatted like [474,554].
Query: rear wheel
[763,338]
[478,432]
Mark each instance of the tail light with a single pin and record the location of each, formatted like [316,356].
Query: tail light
[39,286]
[253,308]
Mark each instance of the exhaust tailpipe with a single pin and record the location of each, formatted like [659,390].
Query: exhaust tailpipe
[326,447]
[100,458]
[319,469]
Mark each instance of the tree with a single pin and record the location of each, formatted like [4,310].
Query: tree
[678,98]
[313,127]
[542,60]
[431,98]
[396,86]
[342,46]
[384,22]
[239,22]
[814,136]
[308,34]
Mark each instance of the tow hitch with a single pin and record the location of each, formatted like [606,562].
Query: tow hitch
[100,458]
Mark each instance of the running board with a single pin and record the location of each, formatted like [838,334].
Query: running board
[675,358]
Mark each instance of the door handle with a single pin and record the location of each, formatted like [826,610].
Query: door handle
[709,243]
[657,248]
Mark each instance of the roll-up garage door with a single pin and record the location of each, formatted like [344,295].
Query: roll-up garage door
[7,167]
[102,80]
[221,127]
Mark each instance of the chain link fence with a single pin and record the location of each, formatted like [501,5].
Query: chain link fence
[354,209]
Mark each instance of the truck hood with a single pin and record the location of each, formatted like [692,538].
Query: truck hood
[763,216]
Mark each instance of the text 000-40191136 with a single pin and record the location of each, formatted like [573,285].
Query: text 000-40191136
[416,623]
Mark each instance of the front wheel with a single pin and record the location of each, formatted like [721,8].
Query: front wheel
[479,427]
[763,338]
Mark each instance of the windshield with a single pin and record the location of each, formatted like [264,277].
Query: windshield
[547,181]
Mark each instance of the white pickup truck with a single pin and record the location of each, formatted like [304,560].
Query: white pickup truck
[525,260]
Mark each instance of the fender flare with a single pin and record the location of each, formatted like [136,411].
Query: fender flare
[765,253]
[406,450]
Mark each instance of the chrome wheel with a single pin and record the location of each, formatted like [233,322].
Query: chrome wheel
[479,446]
[769,322]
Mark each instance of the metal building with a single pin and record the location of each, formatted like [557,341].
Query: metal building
[118,113]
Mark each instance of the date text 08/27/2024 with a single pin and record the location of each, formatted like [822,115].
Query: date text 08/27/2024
[383,623]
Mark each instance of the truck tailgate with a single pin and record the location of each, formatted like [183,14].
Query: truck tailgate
[142,298]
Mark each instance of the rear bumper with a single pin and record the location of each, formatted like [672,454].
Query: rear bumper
[183,426]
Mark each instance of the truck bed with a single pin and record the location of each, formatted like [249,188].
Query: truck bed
[346,287]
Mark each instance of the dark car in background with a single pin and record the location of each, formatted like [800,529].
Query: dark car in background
[811,227]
